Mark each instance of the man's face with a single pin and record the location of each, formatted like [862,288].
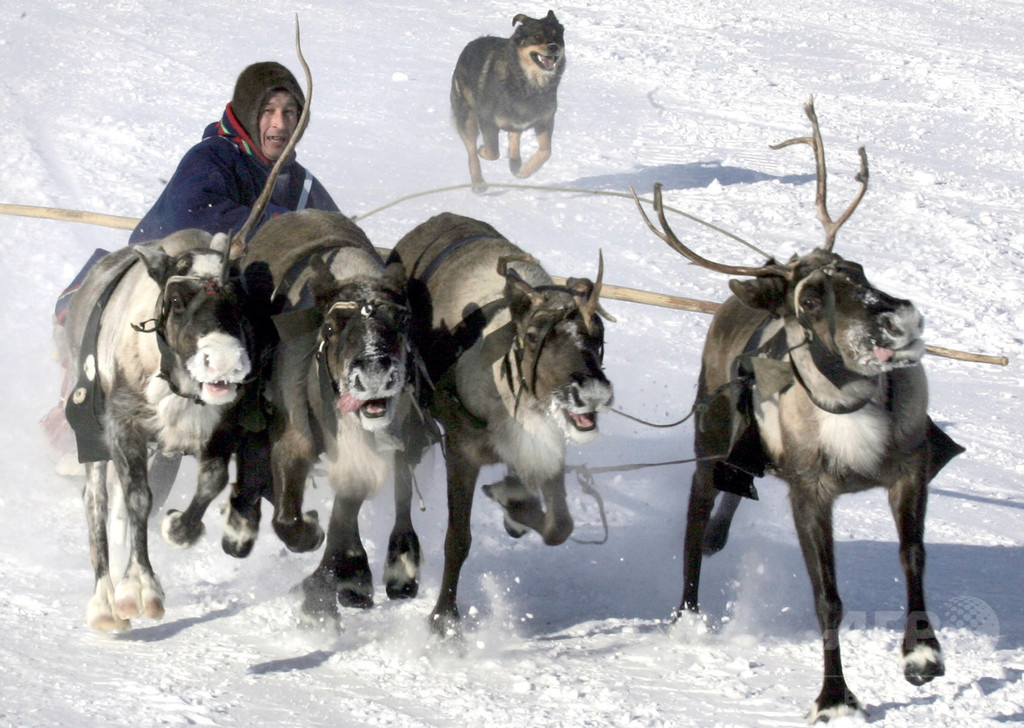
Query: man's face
[278,119]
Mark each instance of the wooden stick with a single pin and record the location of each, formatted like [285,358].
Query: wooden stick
[56,213]
[618,293]
[635,295]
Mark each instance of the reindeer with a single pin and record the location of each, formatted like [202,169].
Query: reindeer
[338,386]
[811,373]
[516,362]
[158,343]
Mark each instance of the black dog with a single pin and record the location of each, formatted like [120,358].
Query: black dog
[509,84]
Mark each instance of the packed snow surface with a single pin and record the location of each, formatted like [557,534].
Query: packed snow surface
[102,99]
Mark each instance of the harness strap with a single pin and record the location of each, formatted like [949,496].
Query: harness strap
[86,405]
[434,264]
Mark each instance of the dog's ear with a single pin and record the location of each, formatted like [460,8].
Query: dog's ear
[520,18]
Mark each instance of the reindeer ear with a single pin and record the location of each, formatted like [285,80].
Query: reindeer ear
[157,262]
[581,288]
[765,293]
[394,275]
[520,294]
[321,284]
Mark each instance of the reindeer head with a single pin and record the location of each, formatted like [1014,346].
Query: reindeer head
[363,346]
[558,350]
[847,323]
[839,311]
[201,330]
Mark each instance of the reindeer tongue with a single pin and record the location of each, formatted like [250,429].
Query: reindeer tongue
[883,354]
[348,403]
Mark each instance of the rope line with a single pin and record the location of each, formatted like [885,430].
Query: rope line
[570,190]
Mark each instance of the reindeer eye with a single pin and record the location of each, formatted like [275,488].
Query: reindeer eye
[532,337]
[810,303]
[177,302]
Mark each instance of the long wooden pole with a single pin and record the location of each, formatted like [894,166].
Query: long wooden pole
[618,293]
[635,295]
[56,213]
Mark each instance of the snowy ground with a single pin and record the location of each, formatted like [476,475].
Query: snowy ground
[103,98]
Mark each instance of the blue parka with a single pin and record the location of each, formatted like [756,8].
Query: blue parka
[217,183]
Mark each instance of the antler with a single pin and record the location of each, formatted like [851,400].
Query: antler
[591,306]
[814,141]
[238,242]
[669,237]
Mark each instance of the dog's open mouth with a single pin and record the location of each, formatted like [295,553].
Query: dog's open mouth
[547,62]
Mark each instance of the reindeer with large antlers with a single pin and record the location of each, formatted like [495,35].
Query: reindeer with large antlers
[814,375]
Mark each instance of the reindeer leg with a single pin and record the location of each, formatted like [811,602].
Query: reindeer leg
[343,575]
[139,592]
[813,519]
[717,533]
[550,518]
[922,655]
[702,500]
[292,459]
[402,568]
[255,482]
[183,529]
[463,470]
[99,613]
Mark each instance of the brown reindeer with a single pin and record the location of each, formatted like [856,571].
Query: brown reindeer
[516,361]
[814,375]
[337,385]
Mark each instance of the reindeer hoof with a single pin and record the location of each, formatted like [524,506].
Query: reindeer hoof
[715,539]
[922,665]
[139,597]
[446,626]
[354,595]
[509,493]
[514,165]
[319,598]
[239,534]
[513,529]
[180,533]
[834,701]
[99,613]
[402,568]
[301,536]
